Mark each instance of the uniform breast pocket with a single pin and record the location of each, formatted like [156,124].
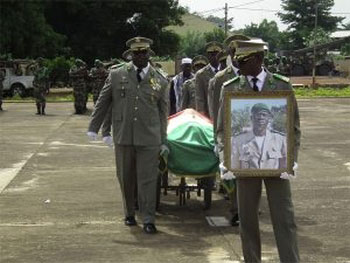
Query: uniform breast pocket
[273,154]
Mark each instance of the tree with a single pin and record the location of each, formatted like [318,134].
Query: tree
[346,26]
[216,35]
[220,21]
[267,31]
[192,44]
[99,29]
[299,15]
[25,31]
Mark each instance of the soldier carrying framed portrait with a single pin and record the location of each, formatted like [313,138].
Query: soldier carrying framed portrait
[259,134]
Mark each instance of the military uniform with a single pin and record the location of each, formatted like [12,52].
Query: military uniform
[98,75]
[139,119]
[214,90]
[188,95]
[41,88]
[249,189]
[2,77]
[78,75]
[246,152]
[202,80]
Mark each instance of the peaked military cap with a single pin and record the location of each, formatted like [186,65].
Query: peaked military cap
[200,59]
[139,43]
[259,107]
[229,40]
[245,48]
[222,55]
[214,46]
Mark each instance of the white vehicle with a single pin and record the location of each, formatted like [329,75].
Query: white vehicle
[17,84]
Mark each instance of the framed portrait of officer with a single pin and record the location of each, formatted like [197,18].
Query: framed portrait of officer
[258,133]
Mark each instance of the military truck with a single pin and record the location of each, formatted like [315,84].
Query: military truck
[18,77]
[301,60]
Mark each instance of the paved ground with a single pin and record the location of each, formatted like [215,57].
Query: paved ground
[322,81]
[60,201]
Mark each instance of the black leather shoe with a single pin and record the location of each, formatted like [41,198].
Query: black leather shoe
[235,220]
[149,228]
[130,221]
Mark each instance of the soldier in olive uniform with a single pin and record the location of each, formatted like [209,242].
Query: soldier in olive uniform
[214,90]
[78,75]
[255,78]
[205,74]
[41,86]
[2,77]
[138,95]
[98,75]
[188,88]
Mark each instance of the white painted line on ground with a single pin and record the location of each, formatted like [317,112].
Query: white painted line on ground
[7,174]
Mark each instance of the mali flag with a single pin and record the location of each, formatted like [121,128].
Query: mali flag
[191,145]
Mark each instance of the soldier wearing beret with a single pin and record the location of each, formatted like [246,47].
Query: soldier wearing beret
[254,79]
[188,88]
[247,147]
[138,95]
[205,74]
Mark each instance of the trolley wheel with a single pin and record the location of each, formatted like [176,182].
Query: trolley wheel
[188,194]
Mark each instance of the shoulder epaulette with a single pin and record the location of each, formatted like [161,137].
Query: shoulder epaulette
[161,72]
[117,65]
[280,77]
[231,81]
[278,132]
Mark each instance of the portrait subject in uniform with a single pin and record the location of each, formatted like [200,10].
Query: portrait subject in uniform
[262,143]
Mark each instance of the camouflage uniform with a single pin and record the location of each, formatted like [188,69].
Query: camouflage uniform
[98,75]
[78,75]
[2,77]
[41,87]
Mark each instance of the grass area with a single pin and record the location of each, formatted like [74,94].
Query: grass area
[299,92]
[193,23]
[322,92]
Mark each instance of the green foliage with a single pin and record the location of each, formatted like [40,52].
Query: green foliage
[85,29]
[216,35]
[316,37]
[24,31]
[240,119]
[59,69]
[322,92]
[220,21]
[299,15]
[267,31]
[279,122]
[345,50]
[192,44]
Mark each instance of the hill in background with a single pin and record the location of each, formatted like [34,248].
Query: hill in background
[193,23]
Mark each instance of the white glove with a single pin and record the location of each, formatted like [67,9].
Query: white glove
[287,176]
[164,150]
[225,174]
[92,135]
[108,140]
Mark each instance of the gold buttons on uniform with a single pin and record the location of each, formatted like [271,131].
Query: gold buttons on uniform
[137,97]
[135,119]
[136,108]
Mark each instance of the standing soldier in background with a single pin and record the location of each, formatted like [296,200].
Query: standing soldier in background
[214,91]
[41,86]
[205,74]
[78,75]
[2,77]
[98,75]
[188,88]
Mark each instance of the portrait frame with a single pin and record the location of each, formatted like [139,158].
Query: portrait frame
[248,155]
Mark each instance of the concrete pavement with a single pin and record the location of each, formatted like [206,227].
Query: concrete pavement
[60,200]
